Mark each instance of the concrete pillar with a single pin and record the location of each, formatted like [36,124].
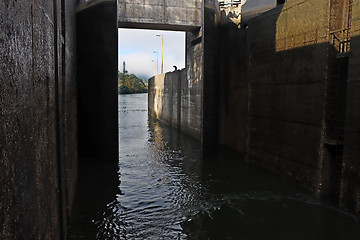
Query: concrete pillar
[97,81]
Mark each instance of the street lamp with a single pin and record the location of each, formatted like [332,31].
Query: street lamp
[157,61]
[162,51]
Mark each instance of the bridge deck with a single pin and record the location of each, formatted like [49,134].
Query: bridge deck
[160,14]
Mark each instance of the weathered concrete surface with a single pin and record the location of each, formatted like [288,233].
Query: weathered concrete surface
[199,106]
[37,118]
[164,97]
[276,78]
[174,100]
[68,105]
[338,14]
[160,14]
[286,95]
[97,74]
[191,88]
[350,187]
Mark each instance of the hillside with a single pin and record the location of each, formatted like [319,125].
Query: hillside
[129,83]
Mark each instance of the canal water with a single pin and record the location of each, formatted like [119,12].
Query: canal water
[165,191]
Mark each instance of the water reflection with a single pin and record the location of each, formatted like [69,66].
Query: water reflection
[168,193]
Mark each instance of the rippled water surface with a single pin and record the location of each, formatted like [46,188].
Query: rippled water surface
[167,192]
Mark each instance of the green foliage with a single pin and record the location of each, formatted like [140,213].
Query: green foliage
[131,84]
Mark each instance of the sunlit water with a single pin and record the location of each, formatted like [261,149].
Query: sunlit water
[167,192]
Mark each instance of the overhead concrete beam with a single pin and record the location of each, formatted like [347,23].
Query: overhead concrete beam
[162,14]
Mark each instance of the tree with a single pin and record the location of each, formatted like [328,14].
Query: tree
[130,84]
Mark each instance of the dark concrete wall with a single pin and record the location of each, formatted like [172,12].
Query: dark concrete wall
[97,82]
[286,89]
[37,118]
[210,83]
[350,188]
[68,104]
[272,97]
[233,88]
[276,96]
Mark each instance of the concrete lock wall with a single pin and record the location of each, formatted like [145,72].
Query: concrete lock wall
[287,71]
[210,81]
[96,78]
[43,104]
[165,93]
[170,101]
[163,96]
[277,85]
[350,186]
[191,88]
[38,133]
[233,88]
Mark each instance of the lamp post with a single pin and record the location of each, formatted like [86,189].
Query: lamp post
[162,51]
[157,61]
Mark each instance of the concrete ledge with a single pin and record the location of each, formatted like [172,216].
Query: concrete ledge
[84,4]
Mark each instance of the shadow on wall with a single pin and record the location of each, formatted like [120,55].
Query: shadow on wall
[283,91]
[238,47]
[350,184]
[97,94]
[98,144]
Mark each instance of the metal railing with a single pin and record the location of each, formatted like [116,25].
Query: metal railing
[341,40]
[227,3]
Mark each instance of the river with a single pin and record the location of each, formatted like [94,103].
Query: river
[167,192]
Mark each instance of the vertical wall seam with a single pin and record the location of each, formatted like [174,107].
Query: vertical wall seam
[63,88]
[57,125]
[203,78]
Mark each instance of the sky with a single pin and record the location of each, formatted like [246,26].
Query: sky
[136,49]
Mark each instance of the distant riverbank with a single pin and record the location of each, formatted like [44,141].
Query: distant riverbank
[130,84]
